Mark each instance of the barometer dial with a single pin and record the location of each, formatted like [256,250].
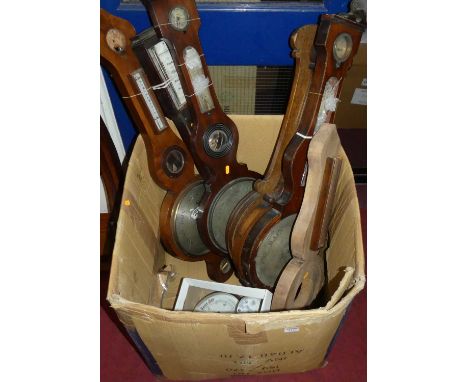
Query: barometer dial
[179,18]
[217,140]
[248,305]
[218,302]
[174,162]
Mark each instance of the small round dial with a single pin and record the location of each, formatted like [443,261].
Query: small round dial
[116,40]
[179,18]
[217,140]
[218,302]
[342,47]
[248,305]
[174,161]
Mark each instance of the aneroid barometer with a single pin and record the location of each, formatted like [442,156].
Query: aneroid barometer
[172,56]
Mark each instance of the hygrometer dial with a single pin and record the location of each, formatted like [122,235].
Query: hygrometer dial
[218,302]
[342,48]
[179,18]
[248,305]
[217,140]
[174,161]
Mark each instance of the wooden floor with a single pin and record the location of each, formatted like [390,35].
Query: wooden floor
[347,361]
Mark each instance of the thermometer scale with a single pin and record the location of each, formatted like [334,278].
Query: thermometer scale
[143,86]
[200,214]
[164,64]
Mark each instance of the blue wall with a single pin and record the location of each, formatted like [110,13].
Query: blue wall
[232,34]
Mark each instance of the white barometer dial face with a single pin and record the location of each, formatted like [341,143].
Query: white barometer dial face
[218,302]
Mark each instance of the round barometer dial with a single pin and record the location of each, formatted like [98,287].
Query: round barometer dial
[217,302]
[248,305]
[217,140]
[116,40]
[179,18]
[342,48]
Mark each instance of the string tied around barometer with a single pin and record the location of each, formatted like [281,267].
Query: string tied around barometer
[199,86]
[188,20]
[162,85]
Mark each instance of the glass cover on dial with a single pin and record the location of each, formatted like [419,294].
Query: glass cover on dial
[218,302]
[179,18]
[174,162]
[342,47]
[217,140]
[248,305]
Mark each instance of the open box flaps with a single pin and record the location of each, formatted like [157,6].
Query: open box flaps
[195,346]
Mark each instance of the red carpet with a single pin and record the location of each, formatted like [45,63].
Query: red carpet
[347,361]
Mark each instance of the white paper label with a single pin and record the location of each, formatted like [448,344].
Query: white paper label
[291,330]
[359,97]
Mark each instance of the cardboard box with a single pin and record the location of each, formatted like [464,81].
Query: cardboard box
[352,108]
[195,346]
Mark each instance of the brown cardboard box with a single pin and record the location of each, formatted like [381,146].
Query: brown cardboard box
[197,346]
[352,109]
